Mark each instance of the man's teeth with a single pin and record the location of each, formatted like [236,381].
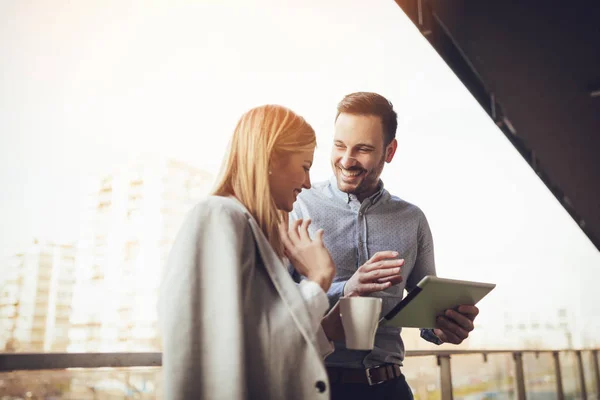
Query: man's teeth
[346,172]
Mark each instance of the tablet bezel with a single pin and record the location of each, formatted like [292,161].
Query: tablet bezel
[432,296]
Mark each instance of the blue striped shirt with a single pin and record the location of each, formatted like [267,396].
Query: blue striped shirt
[354,232]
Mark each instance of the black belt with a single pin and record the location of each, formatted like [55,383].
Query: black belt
[369,376]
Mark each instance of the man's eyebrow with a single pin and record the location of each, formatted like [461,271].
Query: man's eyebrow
[356,145]
[365,145]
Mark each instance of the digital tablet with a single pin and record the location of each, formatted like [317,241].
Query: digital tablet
[431,297]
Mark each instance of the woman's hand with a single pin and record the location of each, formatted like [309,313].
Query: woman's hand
[309,256]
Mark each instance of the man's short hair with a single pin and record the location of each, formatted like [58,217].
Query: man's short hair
[369,103]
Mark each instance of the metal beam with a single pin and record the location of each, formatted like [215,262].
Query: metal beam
[519,375]
[594,355]
[581,374]
[445,377]
[560,392]
[43,361]
[422,14]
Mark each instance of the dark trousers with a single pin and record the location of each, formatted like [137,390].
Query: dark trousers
[394,389]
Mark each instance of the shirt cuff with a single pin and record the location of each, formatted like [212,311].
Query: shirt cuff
[315,299]
[428,335]
[317,303]
[335,292]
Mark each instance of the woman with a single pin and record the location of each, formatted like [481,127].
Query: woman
[233,322]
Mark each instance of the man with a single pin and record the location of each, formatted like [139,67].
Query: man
[380,243]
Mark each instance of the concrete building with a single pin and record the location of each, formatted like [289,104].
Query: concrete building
[35,298]
[129,222]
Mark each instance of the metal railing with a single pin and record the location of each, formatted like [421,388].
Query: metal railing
[11,362]
[443,358]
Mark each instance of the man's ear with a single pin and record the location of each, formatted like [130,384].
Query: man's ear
[390,150]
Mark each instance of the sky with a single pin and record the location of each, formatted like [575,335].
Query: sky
[84,86]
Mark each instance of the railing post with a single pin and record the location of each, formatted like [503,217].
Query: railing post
[560,393]
[445,376]
[596,371]
[581,374]
[520,375]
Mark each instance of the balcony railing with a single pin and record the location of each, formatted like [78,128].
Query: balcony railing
[515,383]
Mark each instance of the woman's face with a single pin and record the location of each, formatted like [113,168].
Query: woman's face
[288,175]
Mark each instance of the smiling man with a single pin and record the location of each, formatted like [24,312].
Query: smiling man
[380,244]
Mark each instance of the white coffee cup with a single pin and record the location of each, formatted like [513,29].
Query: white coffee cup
[360,317]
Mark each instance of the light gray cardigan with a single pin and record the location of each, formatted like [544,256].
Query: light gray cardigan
[234,324]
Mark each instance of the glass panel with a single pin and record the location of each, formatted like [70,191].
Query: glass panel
[570,375]
[474,378]
[588,368]
[423,377]
[95,193]
[83,384]
[540,378]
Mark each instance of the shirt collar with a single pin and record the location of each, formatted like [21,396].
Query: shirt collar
[347,197]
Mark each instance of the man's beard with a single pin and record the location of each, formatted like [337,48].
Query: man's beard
[369,181]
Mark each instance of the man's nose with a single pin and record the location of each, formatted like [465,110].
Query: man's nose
[348,161]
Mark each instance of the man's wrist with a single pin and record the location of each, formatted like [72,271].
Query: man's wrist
[344,291]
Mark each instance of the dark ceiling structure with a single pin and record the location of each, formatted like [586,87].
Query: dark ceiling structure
[535,68]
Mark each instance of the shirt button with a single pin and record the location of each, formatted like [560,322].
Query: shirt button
[321,386]
[360,214]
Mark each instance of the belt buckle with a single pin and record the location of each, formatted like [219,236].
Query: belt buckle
[370,379]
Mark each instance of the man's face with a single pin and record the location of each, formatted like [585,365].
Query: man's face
[358,153]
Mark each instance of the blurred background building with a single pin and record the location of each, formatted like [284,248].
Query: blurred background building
[36,298]
[129,222]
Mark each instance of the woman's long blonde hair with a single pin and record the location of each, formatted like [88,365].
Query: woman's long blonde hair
[261,133]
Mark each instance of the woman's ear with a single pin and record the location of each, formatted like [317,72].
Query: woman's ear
[274,163]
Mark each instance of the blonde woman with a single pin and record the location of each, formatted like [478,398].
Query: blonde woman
[233,322]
